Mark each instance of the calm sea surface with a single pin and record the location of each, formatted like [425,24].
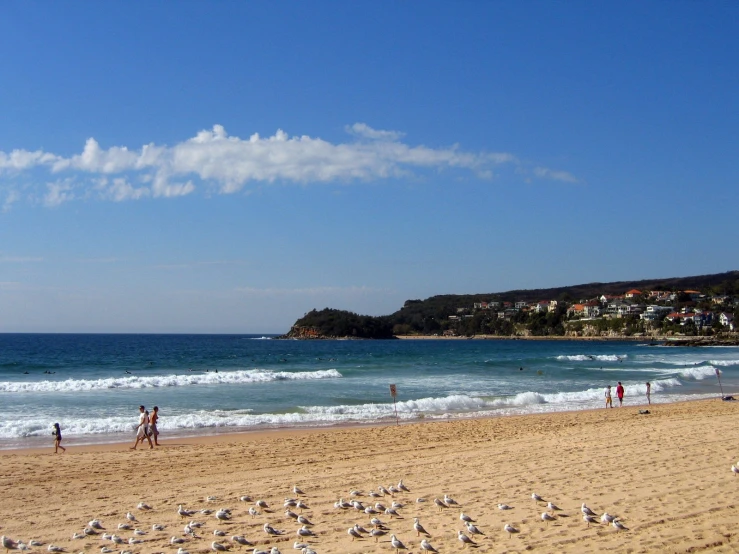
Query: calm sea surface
[203,384]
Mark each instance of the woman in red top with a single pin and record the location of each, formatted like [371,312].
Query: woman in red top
[620,394]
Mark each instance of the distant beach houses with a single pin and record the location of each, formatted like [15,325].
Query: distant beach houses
[643,311]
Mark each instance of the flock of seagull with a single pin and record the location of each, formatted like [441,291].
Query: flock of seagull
[375,504]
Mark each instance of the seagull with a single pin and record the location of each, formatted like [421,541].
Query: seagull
[245,498]
[735,470]
[106,550]
[391,512]
[182,551]
[343,504]
[536,497]
[402,487]
[89,531]
[397,545]
[384,491]
[587,511]
[300,545]
[257,551]
[116,539]
[589,519]
[143,506]
[377,533]
[374,494]
[253,512]
[607,518]
[370,511]
[473,530]
[464,517]
[274,550]
[183,512]
[53,548]
[619,526]
[426,545]
[440,504]
[261,504]
[304,520]
[354,534]
[465,540]
[218,547]
[291,514]
[134,540]
[510,529]
[450,501]
[34,542]
[95,524]
[547,517]
[105,537]
[297,491]
[504,507]
[419,528]
[22,546]
[124,527]
[271,530]
[396,505]
[419,500]
[176,540]
[75,536]
[206,512]
[359,528]
[355,493]
[305,532]
[219,533]
[211,498]
[130,517]
[223,515]
[308,551]
[377,522]
[241,540]
[302,505]
[189,530]
[552,506]
[139,532]
[358,505]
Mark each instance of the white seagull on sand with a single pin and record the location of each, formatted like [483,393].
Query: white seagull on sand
[547,517]
[271,530]
[402,487]
[419,528]
[397,545]
[377,533]
[510,529]
[450,501]
[504,507]
[218,547]
[426,545]
[297,491]
[305,532]
[241,539]
[441,505]
[619,526]
[536,497]
[473,530]
[9,544]
[587,511]
[143,506]
[607,518]
[464,539]
[464,517]
[354,534]
[589,519]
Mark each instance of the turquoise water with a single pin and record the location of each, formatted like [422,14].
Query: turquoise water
[93,384]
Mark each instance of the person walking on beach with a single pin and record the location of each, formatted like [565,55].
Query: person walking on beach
[609,400]
[649,393]
[142,429]
[153,431]
[57,432]
[620,394]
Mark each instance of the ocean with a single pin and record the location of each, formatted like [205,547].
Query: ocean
[205,384]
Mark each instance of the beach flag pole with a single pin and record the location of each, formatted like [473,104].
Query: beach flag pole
[394,393]
[718,376]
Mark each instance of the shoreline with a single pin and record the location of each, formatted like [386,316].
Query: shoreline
[568,458]
[246,434]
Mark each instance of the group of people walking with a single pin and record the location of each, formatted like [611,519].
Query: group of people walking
[620,394]
[147,427]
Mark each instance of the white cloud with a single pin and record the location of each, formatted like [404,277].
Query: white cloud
[11,198]
[58,193]
[545,173]
[228,163]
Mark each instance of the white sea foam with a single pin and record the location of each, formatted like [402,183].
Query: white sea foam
[453,406]
[136,382]
[587,358]
[699,372]
[724,363]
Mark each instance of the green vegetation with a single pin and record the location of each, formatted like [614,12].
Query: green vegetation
[455,314]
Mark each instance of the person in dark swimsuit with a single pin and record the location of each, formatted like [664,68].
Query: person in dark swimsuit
[57,432]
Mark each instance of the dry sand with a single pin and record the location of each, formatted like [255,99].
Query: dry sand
[666,475]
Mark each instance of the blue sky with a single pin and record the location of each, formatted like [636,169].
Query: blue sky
[226,167]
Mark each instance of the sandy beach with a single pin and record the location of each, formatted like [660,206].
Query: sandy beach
[666,475]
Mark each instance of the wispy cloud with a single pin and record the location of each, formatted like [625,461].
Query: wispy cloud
[215,160]
[19,259]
